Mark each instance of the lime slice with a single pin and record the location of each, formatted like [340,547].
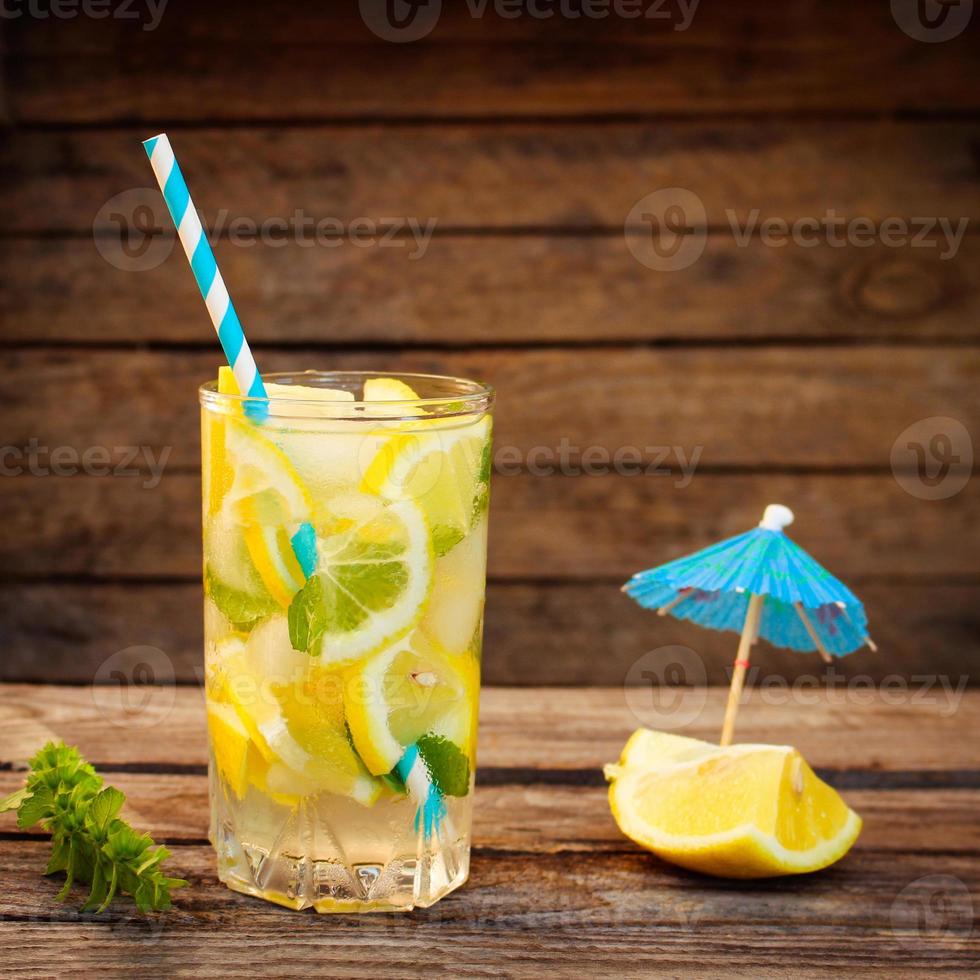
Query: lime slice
[231,579]
[408,690]
[454,611]
[445,471]
[373,578]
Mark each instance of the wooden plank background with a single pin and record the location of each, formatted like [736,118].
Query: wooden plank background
[786,373]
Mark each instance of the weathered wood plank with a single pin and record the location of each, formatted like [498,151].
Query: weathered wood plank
[505,175]
[471,289]
[175,808]
[566,728]
[559,527]
[808,60]
[519,915]
[536,633]
[839,406]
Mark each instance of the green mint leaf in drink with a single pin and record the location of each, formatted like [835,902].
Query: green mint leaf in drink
[445,537]
[447,764]
[242,609]
[307,617]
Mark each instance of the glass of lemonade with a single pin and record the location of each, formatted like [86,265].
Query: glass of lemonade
[345,528]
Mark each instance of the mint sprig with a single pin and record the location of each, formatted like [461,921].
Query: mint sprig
[90,842]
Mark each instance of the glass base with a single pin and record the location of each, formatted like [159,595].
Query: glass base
[333,855]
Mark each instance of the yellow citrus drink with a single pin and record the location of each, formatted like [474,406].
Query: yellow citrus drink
[345,529]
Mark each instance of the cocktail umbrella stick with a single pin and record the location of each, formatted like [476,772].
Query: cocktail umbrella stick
[817,642]
[741,665]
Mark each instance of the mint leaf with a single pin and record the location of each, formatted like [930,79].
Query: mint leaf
[447,765]
[242,609]
[90,843]
[445,537]
[105,807]
[307,617]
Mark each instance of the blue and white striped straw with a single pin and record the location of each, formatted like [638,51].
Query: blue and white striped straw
[432,810]
[205,269]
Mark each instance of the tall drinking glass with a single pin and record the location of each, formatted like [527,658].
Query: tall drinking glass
[345,527]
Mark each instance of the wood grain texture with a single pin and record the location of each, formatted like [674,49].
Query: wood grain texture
[553,885]
[778,406]
[471,289]
[803,59]
[505,175]
[520,915]
[536,633]
[533,728]
[541,528]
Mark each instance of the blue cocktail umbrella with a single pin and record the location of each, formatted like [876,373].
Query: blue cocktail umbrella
[759,583]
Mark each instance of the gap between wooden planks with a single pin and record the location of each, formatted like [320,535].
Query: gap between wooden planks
[532,728]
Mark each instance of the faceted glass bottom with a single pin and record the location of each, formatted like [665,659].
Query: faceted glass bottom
[331,854]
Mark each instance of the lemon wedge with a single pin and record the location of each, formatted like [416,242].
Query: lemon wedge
[264,504]
[234,752]
[291,710]
[745,811]
[390,390]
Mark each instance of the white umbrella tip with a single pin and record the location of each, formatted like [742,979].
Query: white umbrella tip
[776,517]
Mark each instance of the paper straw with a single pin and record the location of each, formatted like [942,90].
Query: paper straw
[205,269]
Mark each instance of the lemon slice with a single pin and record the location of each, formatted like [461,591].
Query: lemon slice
[445,471]
[268,505]
[745,811]
[218,476]
[329,402]
[292,711]
[372,581]
[408,690]
[390,390]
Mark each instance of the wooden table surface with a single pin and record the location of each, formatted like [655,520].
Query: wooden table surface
[554,887]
